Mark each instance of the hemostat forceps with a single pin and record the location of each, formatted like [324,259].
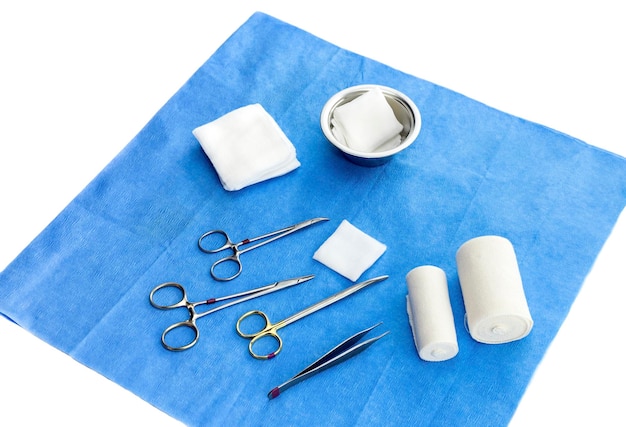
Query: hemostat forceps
[194,315]
[338,354]
[226,243]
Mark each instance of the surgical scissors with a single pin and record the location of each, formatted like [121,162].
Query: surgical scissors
[194,315]
[270,330]
[226,243]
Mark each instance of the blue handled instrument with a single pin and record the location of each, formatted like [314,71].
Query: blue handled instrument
[338,354]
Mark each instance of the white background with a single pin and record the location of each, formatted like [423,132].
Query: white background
[78,80]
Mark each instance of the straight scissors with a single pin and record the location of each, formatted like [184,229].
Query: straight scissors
[234,259]
[190,323]
[270,330]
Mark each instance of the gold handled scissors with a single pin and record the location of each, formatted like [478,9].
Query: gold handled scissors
[234,259]
[270,330]
[190,324]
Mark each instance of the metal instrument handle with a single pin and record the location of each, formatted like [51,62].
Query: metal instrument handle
[189,324]
[267,331]
[182,302]
[228,244]
[227,260]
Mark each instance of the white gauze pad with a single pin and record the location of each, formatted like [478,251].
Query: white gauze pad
[430,314]
[367,123]
[495,303]
[349,251]
[246,146]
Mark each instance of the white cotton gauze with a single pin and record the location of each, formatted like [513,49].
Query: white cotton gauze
[430,314]
[349,251]
[367,123]
[495,303]
[246,146]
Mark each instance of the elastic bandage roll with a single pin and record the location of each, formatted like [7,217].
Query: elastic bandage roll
[430,314]
[495,303]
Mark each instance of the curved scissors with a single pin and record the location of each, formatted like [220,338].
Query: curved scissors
[270,330]
[194,315]
[235,247]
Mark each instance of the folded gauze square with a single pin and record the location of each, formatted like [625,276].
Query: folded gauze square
[246,146]
[367,123]
[349,251]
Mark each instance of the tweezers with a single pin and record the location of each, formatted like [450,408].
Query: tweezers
[338,354]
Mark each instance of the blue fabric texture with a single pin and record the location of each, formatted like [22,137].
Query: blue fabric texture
[82,285]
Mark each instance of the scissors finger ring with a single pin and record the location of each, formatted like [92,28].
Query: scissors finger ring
[224,266]
[266,331]
[225,241]
[181,325]
[271,334]
[256,313]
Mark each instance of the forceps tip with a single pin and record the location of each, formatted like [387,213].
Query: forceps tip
[382,335]
[319,219]
[374,326]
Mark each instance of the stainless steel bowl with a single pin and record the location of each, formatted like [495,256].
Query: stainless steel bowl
[404,109]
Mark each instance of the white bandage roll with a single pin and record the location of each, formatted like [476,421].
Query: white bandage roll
[430,314]
[495,304]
